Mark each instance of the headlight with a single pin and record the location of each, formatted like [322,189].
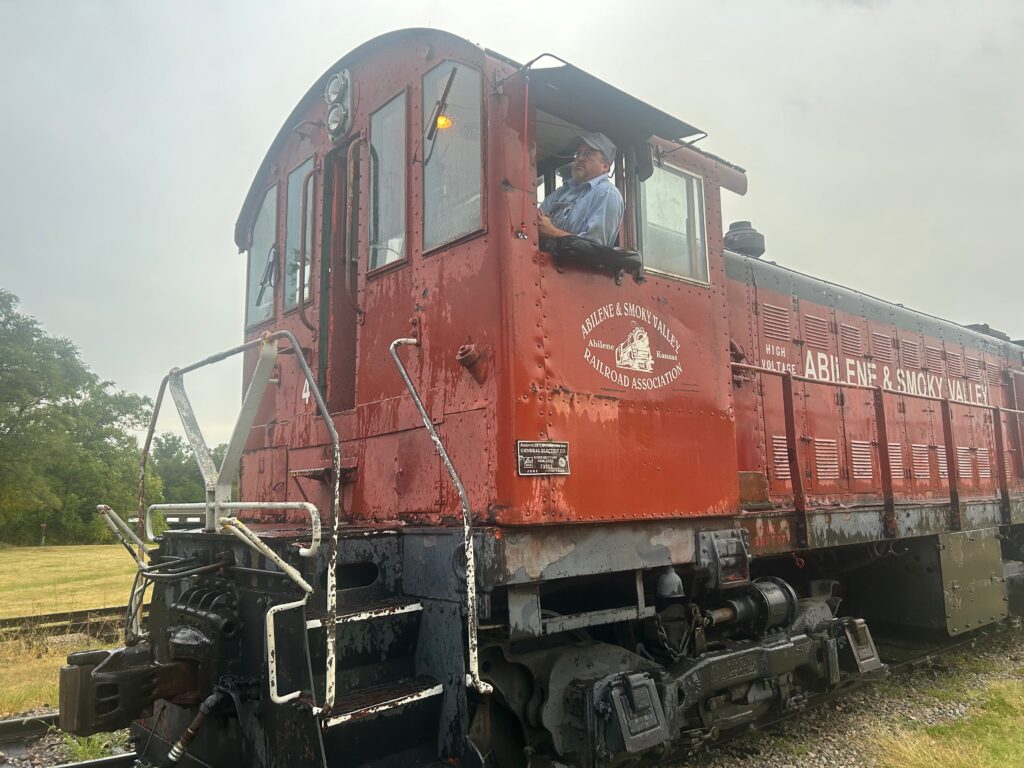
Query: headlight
[337,118]
[336,88]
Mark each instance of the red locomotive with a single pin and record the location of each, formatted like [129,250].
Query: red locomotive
[501,497]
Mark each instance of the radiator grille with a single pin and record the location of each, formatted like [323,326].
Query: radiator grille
[860,455]
[973,368]
[984,464]
[816,331]
[995,377]
[922,467]
[826,459]
[780,457]
[776,322]
[954,364]
[896,460]
[940,456]
[910,353]
[933,359]
[849,340]
[964,470]
[881,347]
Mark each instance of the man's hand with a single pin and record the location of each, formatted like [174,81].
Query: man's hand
[546,228]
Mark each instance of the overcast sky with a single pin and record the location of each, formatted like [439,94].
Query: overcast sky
[882,141]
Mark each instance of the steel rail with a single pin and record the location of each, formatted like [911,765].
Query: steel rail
[24,729]
[114,761]
[29,727]
[56,623]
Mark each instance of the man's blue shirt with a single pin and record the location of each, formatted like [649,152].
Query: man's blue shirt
[591,209]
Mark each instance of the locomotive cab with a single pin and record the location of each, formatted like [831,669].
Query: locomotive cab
[418,217]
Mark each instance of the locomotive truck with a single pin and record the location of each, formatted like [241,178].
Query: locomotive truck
[508,502]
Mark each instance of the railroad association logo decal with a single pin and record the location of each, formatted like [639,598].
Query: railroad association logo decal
[635,352]
[631,346]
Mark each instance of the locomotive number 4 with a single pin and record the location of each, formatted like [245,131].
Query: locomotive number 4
[305,392]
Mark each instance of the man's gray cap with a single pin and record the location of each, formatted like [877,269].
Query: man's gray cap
[596,141]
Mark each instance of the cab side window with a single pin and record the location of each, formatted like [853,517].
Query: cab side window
[295,249]
[387,183]
[672,235]
[259,305]
[452,154]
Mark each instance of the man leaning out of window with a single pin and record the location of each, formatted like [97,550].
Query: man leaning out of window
[588,205]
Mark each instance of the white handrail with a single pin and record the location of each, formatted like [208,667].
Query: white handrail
[275,696]
[473,678]
[217,506]
[250,539]
[124,534]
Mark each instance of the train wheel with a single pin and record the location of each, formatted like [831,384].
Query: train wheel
[497,735]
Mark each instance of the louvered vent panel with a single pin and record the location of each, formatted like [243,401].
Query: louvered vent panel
[826,459]
[933,359]
[776,322]
[995,376]
[1009,466]
[940,457]
[973,368]
[816,331]
[954,364]
[964,470]
[780,457]
[849,340]
[896,460]
[922,467]
[860,455]
[984,464]
[881,347]
[910,353]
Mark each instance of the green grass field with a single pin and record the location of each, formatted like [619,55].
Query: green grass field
[36,580]
[990,737]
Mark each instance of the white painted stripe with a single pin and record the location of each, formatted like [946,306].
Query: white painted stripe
[373,613]
[384,706]
[376,613]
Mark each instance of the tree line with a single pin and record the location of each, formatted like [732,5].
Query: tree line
[69,441]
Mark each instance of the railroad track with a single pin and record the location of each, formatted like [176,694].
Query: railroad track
[93,621]
[19,731]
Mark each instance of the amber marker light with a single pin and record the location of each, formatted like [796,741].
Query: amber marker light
[444,122]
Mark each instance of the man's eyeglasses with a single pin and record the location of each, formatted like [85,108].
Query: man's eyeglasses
[586,154]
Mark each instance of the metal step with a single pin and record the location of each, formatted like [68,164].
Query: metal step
[392,606]
[360,704]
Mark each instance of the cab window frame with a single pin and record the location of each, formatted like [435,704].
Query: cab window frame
[698,207]
[371,189]
[272,193]
[309,177]
[427,111]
